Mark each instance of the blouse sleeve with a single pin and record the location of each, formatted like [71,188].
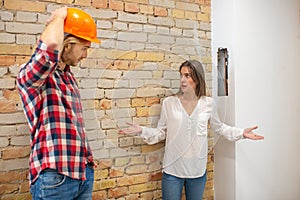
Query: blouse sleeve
[229,132]
[155,135]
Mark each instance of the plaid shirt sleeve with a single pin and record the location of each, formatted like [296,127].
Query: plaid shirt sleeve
[52,106]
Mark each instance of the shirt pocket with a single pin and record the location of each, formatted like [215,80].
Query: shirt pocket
[202,124]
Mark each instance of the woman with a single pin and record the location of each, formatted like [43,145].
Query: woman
[183,123]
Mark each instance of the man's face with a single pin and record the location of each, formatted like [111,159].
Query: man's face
[75,52]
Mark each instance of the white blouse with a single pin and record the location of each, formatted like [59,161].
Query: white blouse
[186,135]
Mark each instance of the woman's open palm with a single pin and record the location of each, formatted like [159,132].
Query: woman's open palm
[248,133]
[132,129]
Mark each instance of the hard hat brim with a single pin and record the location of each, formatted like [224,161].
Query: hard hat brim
[96,40]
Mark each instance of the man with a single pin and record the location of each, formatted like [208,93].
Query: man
[61,161]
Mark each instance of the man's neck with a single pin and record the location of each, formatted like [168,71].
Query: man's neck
[61,65]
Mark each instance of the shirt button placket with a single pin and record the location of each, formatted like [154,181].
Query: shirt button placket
[189,125]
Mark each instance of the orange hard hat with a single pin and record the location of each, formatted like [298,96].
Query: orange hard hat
[81,24]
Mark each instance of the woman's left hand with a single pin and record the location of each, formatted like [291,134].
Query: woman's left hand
[249,134]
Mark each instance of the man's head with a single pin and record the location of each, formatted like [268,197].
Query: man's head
[74,50]
[80,30]
[80,24]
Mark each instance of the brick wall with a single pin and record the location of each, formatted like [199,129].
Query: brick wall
[123,79]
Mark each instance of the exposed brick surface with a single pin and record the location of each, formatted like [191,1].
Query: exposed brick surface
[7,106]
[24,5]
[124,79]
[15,152]
[159,11]
[12,49]
[131,7]
[100,3]
[116,5]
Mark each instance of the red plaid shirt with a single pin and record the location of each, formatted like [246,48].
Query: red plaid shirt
[53,109]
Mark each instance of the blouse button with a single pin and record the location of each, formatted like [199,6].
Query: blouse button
[189,124]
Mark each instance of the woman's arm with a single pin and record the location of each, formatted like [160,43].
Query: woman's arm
[150,135]
[229,132]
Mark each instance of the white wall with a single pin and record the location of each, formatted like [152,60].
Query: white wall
[265,57]
[222,36]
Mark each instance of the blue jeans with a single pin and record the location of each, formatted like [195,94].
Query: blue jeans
[51,185]
[172,187]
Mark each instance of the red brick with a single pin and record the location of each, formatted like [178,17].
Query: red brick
[25,187]
[22,196]
[130,180]
[147,195]
[100,195]
[152,101]
[117,192]
[153,158]
[139,1]
[83,2]
[8,188]
[209,184]
[13,49]
[25,5]
[15,152]
[100,3]
[152,148]
[133,197]
[199,1]
[120,64]
[11,176]
[116,5]
[104,164]
[142,112]
[22,59]
[7,60]
[105,104]
[11,95]
[64,1]
[136,64]
[131,7]
[7,106]
[146,9]
[159,11]
[155,176]
[207,2]
[115,173]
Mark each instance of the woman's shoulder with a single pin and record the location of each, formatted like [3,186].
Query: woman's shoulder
[207,99]
[171,98]
[208,102]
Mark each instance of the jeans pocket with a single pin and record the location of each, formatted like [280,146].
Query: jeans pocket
[52,179]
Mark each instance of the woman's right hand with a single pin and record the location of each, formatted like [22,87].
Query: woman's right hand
[132,129]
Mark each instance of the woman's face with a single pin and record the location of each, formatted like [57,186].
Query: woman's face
[187,83]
